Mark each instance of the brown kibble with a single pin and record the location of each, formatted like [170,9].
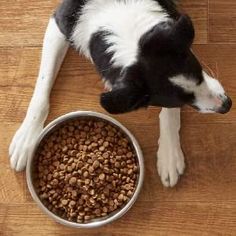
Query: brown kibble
[130,171]
[55,182]
[64,149]
[91,169]
[62,166]
[105,155]
[73,181]
[81,201]
[73,153]
[116,202]
[44,196]
[85,174]
[106,191]
[121,197]
[72,203]
[82,213]
[102,176]
[56,163]
[71,160]
[100,124]
[79,182]
[71,128]
[123,164]
[135,169]
[104,214]
[117,164]
[55,175]
[69,168]
[74,193]
[129,154]
[98,130]
[87,217]
[129,194]
[96,164]
[92,192]
[111,134]
[49,177]
[83,134]
[50,144]
[106,170]
[97,211]
[80,164]
[100,142]
[104,209]
[106,144]
[73,165]
[94,144]
[64,202]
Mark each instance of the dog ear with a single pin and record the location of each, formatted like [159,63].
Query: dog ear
[168,36]
[123,100]
[183,33]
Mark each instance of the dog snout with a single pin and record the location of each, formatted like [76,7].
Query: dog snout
[226,105]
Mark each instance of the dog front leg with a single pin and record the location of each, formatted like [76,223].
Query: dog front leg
[170,158]
[54,49]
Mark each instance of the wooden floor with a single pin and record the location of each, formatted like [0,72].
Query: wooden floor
[203,203]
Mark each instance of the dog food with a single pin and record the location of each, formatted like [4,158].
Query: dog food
[86,169]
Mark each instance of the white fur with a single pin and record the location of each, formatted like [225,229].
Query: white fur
[209,94]
[127,20]
[170,158]
[54,50]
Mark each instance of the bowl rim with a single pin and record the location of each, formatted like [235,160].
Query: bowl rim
[120,212]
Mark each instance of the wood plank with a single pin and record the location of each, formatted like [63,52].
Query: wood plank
[24,22]
[222,21]
[168,218]
[198,10]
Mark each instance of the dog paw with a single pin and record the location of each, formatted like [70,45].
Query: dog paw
[170,164]
[22,145]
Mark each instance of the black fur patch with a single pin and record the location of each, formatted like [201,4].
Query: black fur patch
[129,93]
[101,58]
[169,36]
[67,14]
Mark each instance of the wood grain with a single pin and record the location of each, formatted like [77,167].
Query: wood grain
[198,10]
[203,203]
[23,23]
[145,218]
[222,21]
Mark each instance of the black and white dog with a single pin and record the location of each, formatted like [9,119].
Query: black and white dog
[142,50]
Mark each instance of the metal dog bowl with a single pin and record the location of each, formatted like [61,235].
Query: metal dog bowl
[97,221]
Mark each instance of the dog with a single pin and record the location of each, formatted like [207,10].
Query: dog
[142,50]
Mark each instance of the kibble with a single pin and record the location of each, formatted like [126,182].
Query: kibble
[86,169]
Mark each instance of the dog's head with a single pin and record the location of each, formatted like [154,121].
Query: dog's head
[167,74]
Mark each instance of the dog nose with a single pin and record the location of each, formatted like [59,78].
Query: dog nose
[227,104]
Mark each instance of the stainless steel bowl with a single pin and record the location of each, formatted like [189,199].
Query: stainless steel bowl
[99,221]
